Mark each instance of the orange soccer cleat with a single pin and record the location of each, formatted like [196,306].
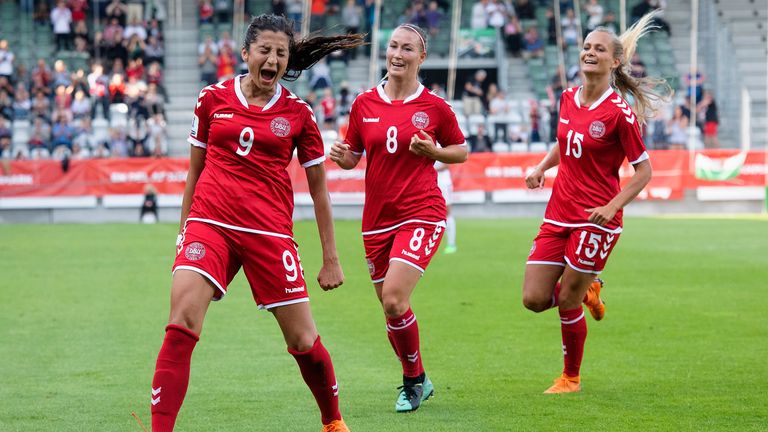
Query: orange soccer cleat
[593,301]
[336,426]
[565,384]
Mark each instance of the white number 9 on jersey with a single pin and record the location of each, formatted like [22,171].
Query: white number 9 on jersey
[246,141]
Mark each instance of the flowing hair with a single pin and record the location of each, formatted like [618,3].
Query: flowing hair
[303,53]
[647,92]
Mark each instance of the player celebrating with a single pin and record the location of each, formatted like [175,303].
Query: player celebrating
[397,124]
[237,211]
[583,220]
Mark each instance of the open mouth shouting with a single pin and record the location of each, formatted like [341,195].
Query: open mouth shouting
[267,76]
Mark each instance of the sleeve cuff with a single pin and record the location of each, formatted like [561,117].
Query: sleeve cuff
[642,157]
[319,160]
[196,143]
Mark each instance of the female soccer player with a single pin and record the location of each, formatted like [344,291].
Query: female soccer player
[237,211]
[597,130]
[397,124]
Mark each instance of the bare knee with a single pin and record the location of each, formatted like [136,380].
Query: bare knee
[301,342]
[393,306]
[536,303]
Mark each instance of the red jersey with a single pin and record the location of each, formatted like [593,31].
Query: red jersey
[245,185]
[593,143]
[400,186]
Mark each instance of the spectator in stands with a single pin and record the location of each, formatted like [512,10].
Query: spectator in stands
[480,142]
[134,10]
[278,7]
[117,88]
[438,89]
[207,61]
[78,9]
[62,134]
[352,18]
[570,29]
[345,99]
[98,88]
[41,105]
[157,142]
[554,91]
[116,9]
[418,14]
[206,12]
[500,109]
[328,103]
[294,8]
[135,28]
[525,10]
[154,51]
[154,77]
[695,83]
[535,121]
[155,11]
[111,29]
[39,139]
[320,76]
[6,105]
[6,60]
[61,17]
[405,16]
[534,46]
[638,69]
[42,15]
[479,19]
[497,14]
[223,11]
[474,93]
[5,130]
[81,106]
[226,39]
[6,86]
[137,136]
[513,36]
[434,17]
[646,6]
[118,143]
[85,136]
[153,29]
[136,48]
[595,15]
[225,63]
[317,12]
[677,130]
[135,70]
[5,151]
[22,104]
[707,110]
[551,27]
[78,152]
[118,51]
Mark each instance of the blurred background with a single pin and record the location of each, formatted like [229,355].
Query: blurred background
[96,97]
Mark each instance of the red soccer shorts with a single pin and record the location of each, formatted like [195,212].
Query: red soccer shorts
[270,263]
[414,244]
[585,249]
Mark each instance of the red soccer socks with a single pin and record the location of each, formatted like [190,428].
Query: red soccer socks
[573,327]
[317,370]
[169,385]
[404,331]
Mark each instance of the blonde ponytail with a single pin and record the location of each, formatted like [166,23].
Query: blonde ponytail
[647,92]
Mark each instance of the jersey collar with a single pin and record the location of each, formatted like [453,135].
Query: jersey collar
[385,98]
[597,102]
[244,101]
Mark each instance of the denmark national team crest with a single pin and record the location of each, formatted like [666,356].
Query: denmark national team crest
[280,127]
[596,129]
[195,251]
[420,120]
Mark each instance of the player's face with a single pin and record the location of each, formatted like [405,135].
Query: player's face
[597,54]
[267,58]
[404,54]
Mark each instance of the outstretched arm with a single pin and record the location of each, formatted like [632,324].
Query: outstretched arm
[331,274]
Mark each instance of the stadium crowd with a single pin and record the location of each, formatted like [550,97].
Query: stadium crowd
[101,94]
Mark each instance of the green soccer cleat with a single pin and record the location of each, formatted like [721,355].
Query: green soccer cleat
[411,396]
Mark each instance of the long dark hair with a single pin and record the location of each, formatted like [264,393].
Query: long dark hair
[303,53]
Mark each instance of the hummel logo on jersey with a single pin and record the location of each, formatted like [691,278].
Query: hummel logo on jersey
[413,357]
[585,262]
[155,392]
[294,290]
[412,255]
[370,120]
[564,121]
[224,115]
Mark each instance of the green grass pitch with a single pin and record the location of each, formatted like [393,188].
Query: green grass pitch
[683,346]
